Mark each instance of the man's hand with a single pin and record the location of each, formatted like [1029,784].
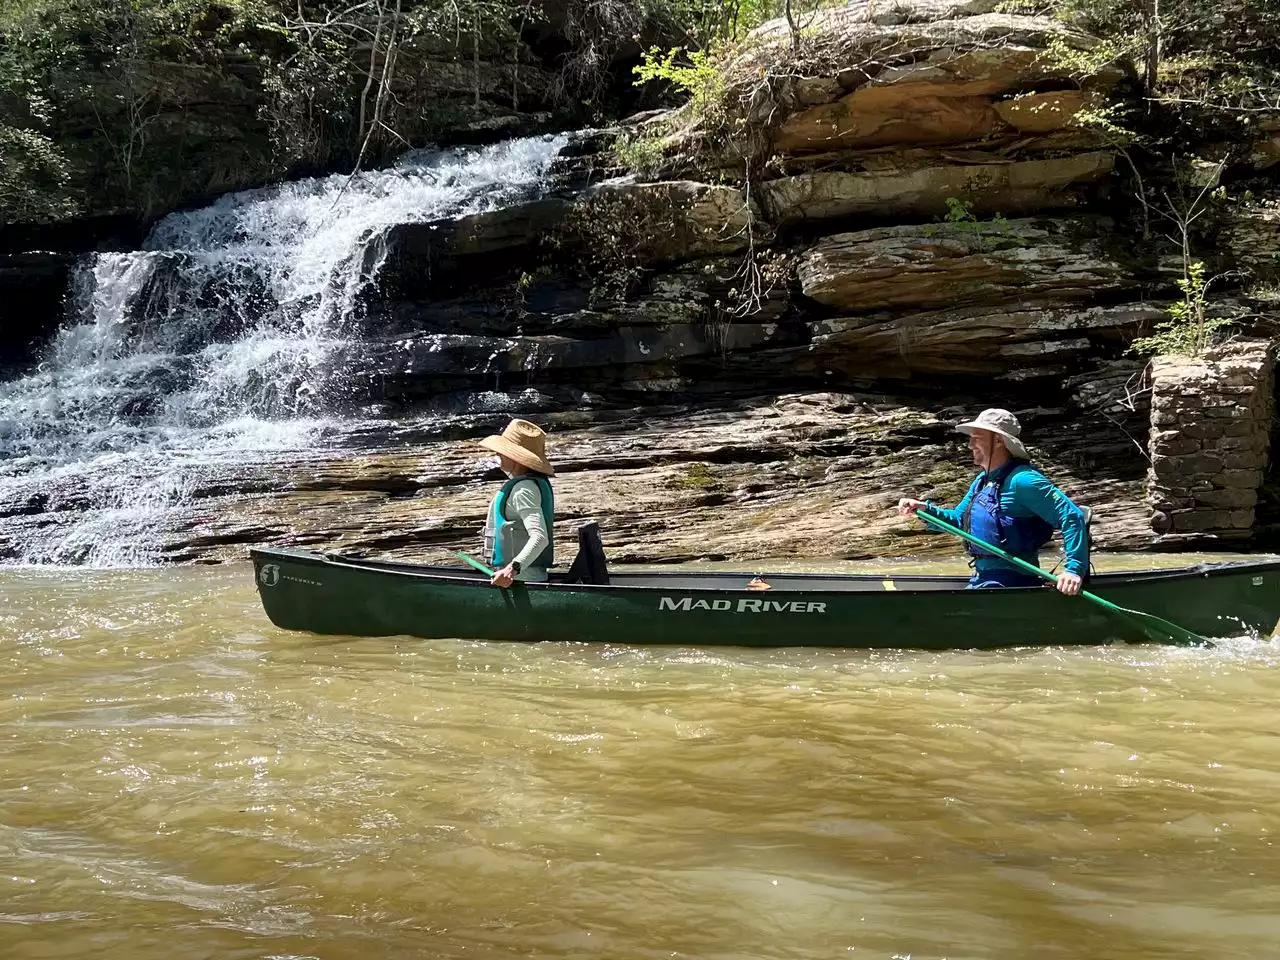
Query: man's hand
[908,507]
[504,577]
[1069,584]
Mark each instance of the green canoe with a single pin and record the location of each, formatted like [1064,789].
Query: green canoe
[328,594]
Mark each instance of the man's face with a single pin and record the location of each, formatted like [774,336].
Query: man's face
[981,446]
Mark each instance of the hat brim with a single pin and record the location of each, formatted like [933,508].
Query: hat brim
[1015,446]
[505,448]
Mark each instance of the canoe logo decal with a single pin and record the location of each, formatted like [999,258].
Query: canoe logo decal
[688,604]
[269,575]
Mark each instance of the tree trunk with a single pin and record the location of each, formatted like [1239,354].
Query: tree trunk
[1154,51]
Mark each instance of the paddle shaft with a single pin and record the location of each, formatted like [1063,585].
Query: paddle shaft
[1146,622]
[1007,557]
[483,568]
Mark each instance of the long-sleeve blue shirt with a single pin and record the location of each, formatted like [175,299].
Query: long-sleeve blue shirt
[1030,493]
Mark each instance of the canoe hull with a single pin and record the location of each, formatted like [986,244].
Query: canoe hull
[339,596]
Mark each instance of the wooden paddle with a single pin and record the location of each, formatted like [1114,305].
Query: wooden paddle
[475,563]
[1159,630]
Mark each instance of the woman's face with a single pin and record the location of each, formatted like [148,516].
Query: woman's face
[510,467]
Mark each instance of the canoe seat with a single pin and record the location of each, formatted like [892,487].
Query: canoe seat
[589,566]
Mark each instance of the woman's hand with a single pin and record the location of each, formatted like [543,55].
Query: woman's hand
[1069,584]
[504,577]
[908,507]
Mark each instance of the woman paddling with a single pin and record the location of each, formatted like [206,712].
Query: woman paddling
[518,531]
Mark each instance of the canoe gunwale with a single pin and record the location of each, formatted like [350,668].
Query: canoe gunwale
[796,583]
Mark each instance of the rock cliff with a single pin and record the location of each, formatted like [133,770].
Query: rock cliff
[755,347]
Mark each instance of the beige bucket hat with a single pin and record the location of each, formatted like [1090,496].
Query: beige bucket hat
[1002,422]
[523,442]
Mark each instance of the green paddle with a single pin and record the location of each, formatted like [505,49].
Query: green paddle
[475,563]
[1161,631]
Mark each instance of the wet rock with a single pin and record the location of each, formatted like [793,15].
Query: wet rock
[425,260]
[622,356]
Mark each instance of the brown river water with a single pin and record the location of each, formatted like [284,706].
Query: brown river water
[181,780]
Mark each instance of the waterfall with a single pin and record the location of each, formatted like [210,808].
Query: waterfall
[226,336]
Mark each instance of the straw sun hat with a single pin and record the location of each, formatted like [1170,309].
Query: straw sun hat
[523,442]
[1002,422]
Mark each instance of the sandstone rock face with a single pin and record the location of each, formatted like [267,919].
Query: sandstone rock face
[623,357]
[960,264]
[897,107]
[1043,112]
[1210,436]
[947,97]
[675,220]
[425,258]
[921,72]
[1012,344]
[1250,238]
[813,475]
[919,188]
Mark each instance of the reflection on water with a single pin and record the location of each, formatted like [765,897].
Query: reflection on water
[181,780]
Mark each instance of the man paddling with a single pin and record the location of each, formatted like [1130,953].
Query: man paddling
[518,529]
[1013,506]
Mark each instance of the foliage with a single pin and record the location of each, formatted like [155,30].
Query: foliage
[34,178]
[715,25]
[696,476]
[609,236]
[1220,56]
[643,153]
[1190,329]
[692,72]
[156,102]
[989,234]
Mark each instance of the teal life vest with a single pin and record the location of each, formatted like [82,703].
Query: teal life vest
[985,518]
[547,557]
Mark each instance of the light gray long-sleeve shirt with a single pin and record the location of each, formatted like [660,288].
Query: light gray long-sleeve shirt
[528,529]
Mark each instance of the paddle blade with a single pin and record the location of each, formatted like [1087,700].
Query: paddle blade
[1155,628]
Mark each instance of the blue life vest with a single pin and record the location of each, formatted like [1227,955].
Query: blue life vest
[985,519]
[547,557]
